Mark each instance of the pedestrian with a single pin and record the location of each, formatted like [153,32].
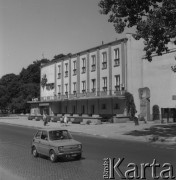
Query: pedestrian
[44,119]
[65,120]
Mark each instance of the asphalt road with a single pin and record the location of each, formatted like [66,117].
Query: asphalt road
[15,155]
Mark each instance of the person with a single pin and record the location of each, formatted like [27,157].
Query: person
[44,119]
[65,119]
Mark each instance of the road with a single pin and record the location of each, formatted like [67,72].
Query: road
[15,156]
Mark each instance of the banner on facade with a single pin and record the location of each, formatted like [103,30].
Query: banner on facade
[44,104]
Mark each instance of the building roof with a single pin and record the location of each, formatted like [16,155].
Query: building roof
[87,50]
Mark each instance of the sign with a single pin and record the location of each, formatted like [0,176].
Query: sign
[44,104]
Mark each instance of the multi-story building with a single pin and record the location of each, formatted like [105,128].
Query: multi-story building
[94,81]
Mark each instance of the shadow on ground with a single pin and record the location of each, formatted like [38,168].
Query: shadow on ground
[165,131]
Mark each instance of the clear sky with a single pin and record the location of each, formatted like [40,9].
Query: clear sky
[30,28]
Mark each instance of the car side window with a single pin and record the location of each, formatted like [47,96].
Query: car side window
[44,135]
[38,135]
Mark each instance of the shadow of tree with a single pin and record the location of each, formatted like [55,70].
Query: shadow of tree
[166,131]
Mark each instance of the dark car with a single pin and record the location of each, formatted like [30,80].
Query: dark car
[55,143]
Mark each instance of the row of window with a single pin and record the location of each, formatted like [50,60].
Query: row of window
[93,85]
[92,108]
[93,66]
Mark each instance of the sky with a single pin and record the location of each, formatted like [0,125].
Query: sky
[33,29]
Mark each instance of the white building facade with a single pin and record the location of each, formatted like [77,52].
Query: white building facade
[94,81]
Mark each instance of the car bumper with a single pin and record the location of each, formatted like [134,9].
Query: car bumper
[71,153]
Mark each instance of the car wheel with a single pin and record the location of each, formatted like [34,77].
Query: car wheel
[52,156]
[78,157]
[34,152]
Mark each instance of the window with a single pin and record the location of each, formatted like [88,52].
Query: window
[66,69]
[74,67]
[104,60]
[93,85]
[84,65]
[83,86]
[44,135]
[104,83]
[59,89]
[117,82]
[74,88]
[116,57]
[93,62]
[116,106]
[38,135]
[59,72]
[103,106]
[66,89]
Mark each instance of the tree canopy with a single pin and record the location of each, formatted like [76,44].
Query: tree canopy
[16,90]
[154,21]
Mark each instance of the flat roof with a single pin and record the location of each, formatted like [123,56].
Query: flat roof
[85,51]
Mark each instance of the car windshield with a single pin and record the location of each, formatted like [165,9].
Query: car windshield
[59,135]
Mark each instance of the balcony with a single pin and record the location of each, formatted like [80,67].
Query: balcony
[116,62]
[59,76]
[117,87]
[83,94]
[66,73]
[93,67]
[104,65]
[74,72]
[83,70]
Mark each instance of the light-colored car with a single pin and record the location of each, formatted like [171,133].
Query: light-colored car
[55,143]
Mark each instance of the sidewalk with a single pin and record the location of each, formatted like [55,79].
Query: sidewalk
[150,132]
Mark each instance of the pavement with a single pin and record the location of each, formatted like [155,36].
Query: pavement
[152,131]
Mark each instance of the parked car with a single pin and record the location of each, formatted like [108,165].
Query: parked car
[55,143]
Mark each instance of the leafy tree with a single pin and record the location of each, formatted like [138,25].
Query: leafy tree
[7,79]
[154,21]
[4,98]
[130,105]
[16,90]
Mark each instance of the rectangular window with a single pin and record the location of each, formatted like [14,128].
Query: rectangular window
[59,89]
[93,85]
[116,57]
[74,67]
[83,65]
[59,72]
[104,60]
[66,69]
[93,62]
[83,86]
[66,89]
[104,83]
[117,82]
[74,88]
[103,106]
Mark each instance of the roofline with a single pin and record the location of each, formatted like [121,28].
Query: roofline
[86,51]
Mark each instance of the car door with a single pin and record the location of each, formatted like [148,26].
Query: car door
[44,143]
[37,139]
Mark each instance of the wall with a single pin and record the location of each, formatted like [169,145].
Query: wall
[160,79]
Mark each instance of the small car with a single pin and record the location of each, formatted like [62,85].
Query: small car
[55,143]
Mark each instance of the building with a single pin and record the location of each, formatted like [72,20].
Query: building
[93,82]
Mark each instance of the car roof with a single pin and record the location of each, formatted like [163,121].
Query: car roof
[51,129]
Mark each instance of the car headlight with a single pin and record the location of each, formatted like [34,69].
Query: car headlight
[79,146]
[60,148]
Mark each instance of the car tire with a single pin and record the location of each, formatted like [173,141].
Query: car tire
[78,157]
[34,152]
[52,156]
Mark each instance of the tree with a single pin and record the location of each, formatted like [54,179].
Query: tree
[154,21]
[130,105]
[16,90]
